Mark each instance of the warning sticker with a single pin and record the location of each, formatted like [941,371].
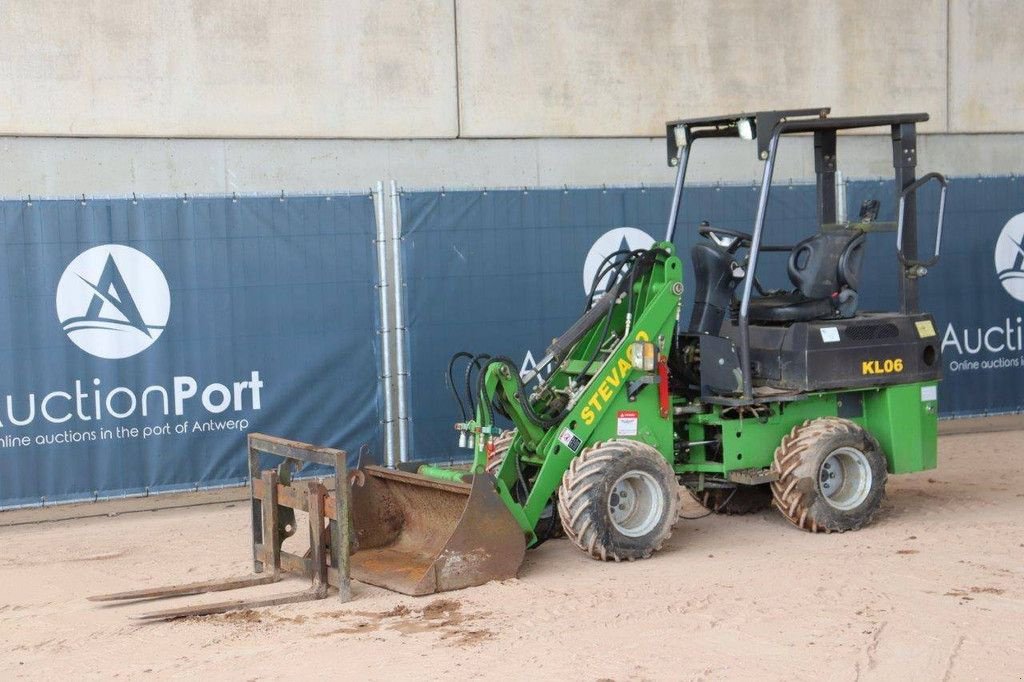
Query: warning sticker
[925,328]
[570,440]
[830,334]
[627,423]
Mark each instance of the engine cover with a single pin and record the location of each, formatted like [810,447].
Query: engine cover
[871,349]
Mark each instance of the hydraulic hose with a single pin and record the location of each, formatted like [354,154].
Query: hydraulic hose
[450,383]
[603,269]
[474,362]
[622,268]
[519,395]
[639,262]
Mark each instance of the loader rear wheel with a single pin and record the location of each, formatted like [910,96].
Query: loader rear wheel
[743,499]
[831,475]
[619,500]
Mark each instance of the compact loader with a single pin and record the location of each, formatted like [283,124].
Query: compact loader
[795,397]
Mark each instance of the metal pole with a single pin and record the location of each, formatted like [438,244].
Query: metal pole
[904,161]
[840,198]
[256,506]
[825,176]
[387,373]
[400,343]
[748,281]
[677,194]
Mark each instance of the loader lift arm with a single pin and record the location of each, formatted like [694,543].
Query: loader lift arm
[587,388]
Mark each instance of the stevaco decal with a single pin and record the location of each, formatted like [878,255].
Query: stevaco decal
[604,391]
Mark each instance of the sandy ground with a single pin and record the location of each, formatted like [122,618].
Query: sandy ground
[933,590]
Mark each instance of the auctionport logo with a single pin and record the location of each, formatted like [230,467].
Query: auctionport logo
[1010,257]
[113,301]
[617,239]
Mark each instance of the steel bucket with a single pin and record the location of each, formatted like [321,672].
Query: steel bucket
[418,535]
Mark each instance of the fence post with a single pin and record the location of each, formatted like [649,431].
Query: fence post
[383,299]
[401,347]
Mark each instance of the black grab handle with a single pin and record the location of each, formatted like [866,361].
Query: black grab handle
[907,191]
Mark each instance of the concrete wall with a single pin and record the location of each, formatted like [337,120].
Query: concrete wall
[103,98]
[223,68]
[605,67]
[495,68]
[986,55]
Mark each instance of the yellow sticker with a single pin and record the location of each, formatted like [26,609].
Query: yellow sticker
[925,328]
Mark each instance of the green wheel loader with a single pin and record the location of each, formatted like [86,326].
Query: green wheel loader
[756,396]
[795,396]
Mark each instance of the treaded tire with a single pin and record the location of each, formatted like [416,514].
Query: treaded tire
[586,491]
[501,444]
[798,461]
[743,499]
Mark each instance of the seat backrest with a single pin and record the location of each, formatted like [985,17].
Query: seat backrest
[821,265]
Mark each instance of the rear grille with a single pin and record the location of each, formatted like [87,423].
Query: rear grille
[869,332]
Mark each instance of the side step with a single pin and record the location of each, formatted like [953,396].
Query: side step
[327,561]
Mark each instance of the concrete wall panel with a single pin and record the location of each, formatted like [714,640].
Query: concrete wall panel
[221,68]
[561,68]
[986,56]
[608,68]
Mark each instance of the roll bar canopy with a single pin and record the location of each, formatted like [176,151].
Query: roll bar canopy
[762,124]
[767,127]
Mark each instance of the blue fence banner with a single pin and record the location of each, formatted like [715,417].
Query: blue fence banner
[503,272]
[141,339]
[976,291]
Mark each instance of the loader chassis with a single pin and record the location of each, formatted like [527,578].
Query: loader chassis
[717,439]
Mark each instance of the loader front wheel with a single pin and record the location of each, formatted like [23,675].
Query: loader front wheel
[831,475]
[496,457]
[619,500]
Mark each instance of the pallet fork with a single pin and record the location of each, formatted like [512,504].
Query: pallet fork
[275,498]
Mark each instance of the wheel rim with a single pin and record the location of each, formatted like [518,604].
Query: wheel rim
[845,478]
[636,504]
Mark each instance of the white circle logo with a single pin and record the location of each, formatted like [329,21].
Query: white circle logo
[1010,257]
[113,301]
[618,239]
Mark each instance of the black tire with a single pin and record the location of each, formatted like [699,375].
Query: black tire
[593,483]
[743,499]
[832,476]
[501,444]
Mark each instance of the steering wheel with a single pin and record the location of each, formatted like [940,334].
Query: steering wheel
[716,235]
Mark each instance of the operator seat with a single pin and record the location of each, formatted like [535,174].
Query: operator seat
[825,269]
